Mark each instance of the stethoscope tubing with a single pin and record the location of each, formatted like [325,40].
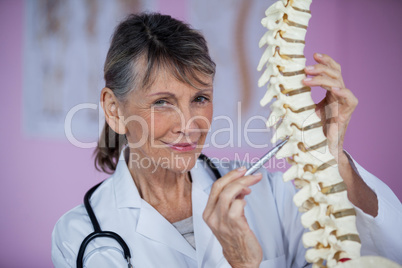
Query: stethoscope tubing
[107,234]
[98,231]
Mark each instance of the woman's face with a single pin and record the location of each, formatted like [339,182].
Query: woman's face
[167,123]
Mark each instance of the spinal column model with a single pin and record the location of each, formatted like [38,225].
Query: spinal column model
[329,215]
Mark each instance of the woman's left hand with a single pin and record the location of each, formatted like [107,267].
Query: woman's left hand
[336,109]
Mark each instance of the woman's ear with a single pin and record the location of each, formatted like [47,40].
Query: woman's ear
[113,115]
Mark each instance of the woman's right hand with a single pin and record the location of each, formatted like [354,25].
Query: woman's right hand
[224,214]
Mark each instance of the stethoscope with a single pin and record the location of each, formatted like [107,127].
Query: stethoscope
[98,231]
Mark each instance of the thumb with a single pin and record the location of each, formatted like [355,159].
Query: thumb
[320,108]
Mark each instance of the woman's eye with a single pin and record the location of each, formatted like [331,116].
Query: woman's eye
[201,99]
[160,103]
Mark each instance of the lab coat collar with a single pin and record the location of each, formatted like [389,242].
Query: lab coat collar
[209,249]
[202,176]
[153,225]
[126,193]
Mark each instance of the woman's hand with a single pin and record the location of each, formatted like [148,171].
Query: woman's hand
[336,109]
[224,214]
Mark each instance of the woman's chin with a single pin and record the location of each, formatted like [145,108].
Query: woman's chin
[183,163]
[177,163]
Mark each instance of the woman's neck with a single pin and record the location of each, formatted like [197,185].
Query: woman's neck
[167,191]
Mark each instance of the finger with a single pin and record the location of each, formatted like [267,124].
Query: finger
[327,60]
[236,212]
[234,190]
[320,69]
[322,81]
[218,186]
[240,187]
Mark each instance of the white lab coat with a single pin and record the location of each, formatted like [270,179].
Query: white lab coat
[154,242]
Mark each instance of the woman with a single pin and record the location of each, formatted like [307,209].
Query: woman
[163,201]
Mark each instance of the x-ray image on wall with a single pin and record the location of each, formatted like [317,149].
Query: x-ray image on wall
[65,47]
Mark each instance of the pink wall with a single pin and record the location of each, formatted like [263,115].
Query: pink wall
[365,37]
[39,178]
[52,176]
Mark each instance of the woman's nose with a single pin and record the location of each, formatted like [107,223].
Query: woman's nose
[186,121]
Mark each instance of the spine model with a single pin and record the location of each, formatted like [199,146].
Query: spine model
[328,214]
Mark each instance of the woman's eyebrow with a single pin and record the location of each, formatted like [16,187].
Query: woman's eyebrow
[204,90]
[170,94]
[162,93]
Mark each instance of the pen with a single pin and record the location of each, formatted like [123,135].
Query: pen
[257,165]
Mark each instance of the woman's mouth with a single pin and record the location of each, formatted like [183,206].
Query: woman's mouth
[183,147]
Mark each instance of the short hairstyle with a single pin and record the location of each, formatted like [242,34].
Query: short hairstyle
[153,41]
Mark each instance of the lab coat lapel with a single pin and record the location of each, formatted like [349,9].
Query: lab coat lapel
[151,223]
[209,250]
[154,226]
